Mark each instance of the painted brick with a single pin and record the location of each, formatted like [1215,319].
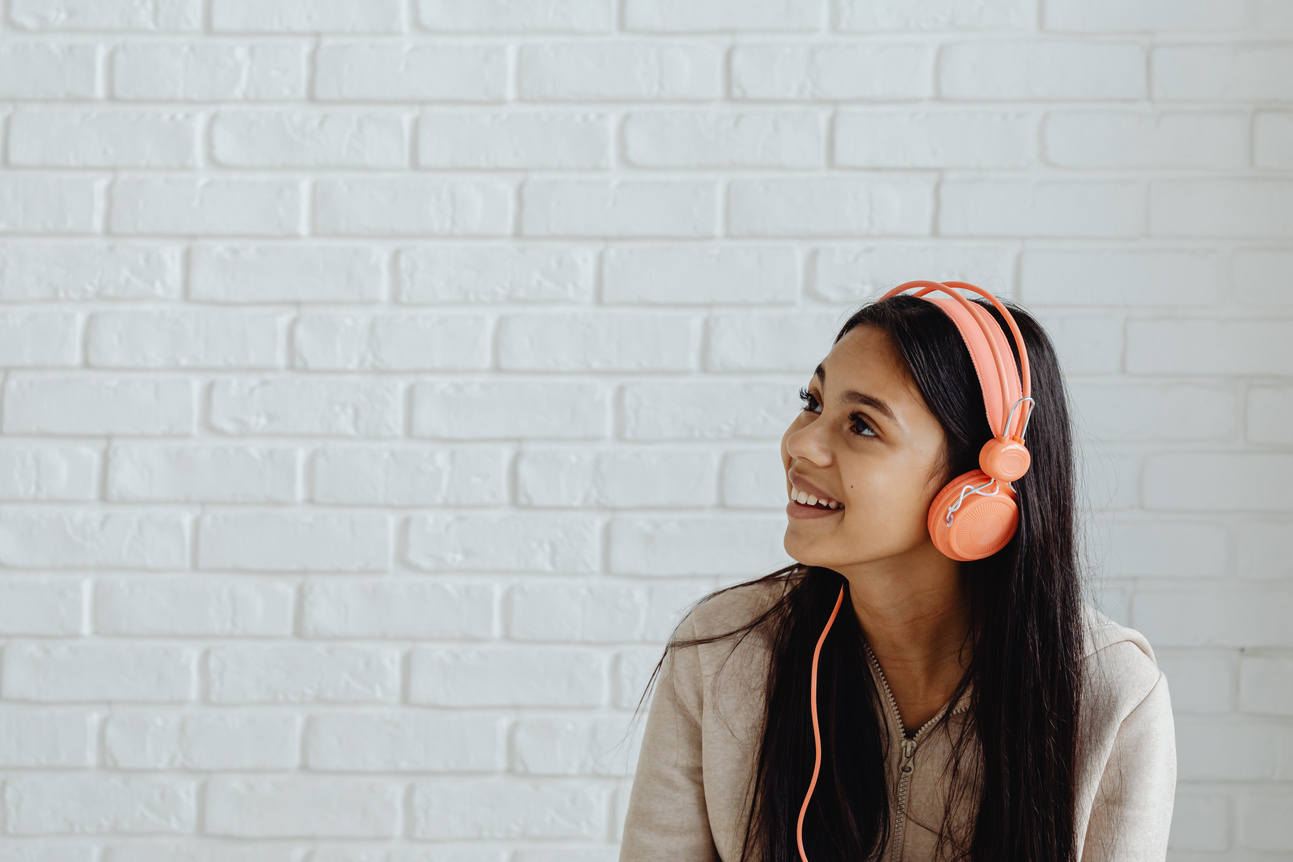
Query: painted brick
[605,341]
[1270,414]
[753,480]
[1132,411]
[540,542]
[703,410]
[46,738]
[412,206]
[487,273]
[555,409]
[645,478]
[1182,346]
[39,338]
[1227,750]
[44,69]
[1110,275]
[210,338]
[308,139]
[294,542]
[507,140]
[784,342]
[681,16]
[1084,343]
[935,139]
[212,207]
[303,16]
[544,809]
[1041,70]
[507,675]
[871,15]
[1167,549]
[403,608]
[98,671]
[1265,550]
[63,15]
[1258,275]
[1104,16]
[404,342]
[198,71]
[32,203]
[99,803]
[408,476]
[750,139]
[1264,821]
[1042,208]
[863,271]
[1201,683]
[306,806]
[1245,481]
[307,273]
[597,612]
[1273,141]
[1221,207]
[1266,685]
[628,208]
[506,16]
[620,71]
[710,275]
[48,471]
[1226,616]
[1199,822]
[697,545]
[1154,141]
[405,742]
[83,405]
[184,472]
[830,207]
[573,746]
[407,72]
[76,270]
[843,71]
[1229,73]
[57,538]
[104,139]
[189,606]
[303,673]
[300,405]
[153,740]
[42,606]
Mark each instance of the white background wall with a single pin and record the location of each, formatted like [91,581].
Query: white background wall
[383,377]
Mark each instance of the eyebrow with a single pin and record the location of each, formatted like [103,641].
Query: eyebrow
[854,397]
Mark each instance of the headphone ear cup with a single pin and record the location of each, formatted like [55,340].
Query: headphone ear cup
[981,526]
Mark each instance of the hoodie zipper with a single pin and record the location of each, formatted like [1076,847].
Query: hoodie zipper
[908,753]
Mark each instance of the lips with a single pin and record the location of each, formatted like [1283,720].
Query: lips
[801,484]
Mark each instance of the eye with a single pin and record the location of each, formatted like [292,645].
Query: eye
[857,418]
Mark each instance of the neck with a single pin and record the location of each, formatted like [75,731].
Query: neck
[915,614]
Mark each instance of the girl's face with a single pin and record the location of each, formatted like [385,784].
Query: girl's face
[865,439]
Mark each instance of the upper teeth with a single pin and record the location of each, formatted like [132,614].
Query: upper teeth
[810,500]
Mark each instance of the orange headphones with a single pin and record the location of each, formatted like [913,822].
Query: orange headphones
[966,521]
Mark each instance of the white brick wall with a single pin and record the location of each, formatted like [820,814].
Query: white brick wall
[383,377]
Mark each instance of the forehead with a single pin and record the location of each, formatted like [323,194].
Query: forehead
[865,360]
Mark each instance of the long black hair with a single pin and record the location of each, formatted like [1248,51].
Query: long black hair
[1025,673]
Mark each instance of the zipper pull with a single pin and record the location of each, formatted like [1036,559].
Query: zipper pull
[908,751]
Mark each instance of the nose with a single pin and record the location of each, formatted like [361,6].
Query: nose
[808,441]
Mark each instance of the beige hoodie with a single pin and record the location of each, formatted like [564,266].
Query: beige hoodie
[691,792]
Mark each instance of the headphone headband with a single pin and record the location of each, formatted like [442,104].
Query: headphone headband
[999,379]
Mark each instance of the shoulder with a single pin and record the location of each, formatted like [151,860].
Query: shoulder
[731,608]
[1121,670]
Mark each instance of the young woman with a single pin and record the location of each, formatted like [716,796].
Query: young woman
[896,695]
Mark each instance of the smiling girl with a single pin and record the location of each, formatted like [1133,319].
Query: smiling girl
[891,696]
